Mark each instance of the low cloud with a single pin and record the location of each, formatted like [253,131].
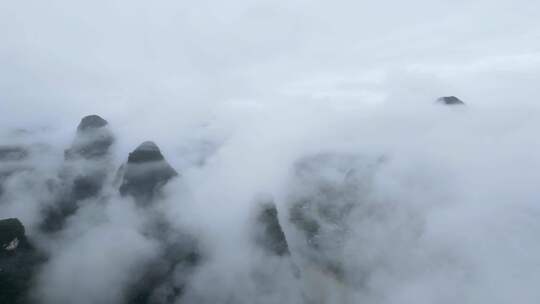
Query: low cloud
[326,112]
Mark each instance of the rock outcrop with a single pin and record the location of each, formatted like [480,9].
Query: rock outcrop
[93,139]
[268,233]
[326,188]
[145,173]
[11,234]
[164,278]
[18,262]
[86,168]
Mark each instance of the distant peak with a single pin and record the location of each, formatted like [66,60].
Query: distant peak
[93,139]
[450,100]
[91,122]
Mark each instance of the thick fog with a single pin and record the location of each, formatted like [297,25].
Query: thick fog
[326,110]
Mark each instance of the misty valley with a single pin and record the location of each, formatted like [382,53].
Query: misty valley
[95,231]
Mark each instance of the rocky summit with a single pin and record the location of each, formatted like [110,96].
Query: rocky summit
[84,172]
[91,122]
[450,100]
[145,173]
[93,139]
[146,152]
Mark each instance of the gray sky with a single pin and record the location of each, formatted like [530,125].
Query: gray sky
[62,59]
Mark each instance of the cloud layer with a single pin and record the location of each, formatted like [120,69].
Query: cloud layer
[327,106]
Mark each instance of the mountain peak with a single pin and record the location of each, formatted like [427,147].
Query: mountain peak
[91,122]
[450,100]
[148,151]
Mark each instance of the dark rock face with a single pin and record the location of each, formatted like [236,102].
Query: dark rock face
[268,233]
[18,262]
[13,153]
[91,122]
[84,174]
[450,100]
[91,148]
[325,190]
[145,173]
[86,168]
[164,278]
[93,139]
[55,217]
[146,152]
[10,229]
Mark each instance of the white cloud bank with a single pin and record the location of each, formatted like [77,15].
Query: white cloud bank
[235,92]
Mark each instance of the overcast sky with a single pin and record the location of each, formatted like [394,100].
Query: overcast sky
[62,59]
